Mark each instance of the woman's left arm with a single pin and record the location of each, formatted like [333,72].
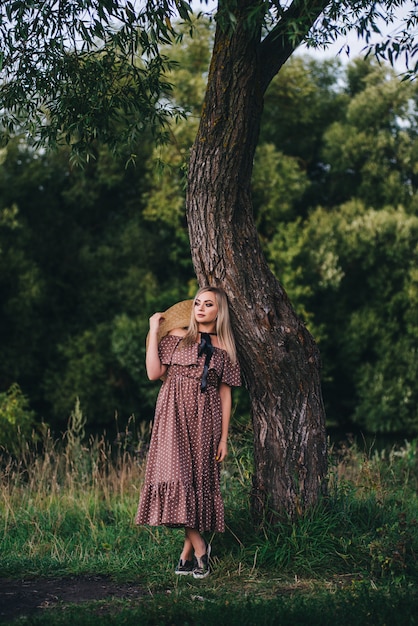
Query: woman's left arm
[226,404]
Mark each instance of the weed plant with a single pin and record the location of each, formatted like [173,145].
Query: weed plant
[68,507]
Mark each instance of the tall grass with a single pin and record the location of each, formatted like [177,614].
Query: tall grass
[68,507]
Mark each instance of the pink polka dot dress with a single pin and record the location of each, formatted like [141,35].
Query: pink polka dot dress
[182,478]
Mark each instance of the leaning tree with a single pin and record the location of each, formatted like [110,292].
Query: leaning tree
[85,69]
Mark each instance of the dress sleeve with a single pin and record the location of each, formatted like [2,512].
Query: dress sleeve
[166,348]
[231,374]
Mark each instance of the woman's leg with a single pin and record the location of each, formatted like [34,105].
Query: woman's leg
[187,552]
[199,564]
[196,540]
[201,567]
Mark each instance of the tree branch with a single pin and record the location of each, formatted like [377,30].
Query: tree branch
[291,30]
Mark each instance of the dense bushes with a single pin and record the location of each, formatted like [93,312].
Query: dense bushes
[87,255]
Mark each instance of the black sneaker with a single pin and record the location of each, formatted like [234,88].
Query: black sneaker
[184,568]
[201,567]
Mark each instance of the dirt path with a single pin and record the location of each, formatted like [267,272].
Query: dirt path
[25,597]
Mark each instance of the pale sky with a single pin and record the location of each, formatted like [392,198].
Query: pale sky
[356,45]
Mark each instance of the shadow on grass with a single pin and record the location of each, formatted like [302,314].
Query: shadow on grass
[358,606]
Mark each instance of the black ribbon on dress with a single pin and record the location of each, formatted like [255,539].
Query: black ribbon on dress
[205,347]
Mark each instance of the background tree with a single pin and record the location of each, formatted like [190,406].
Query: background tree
[372,146]
[253,40]
[351,273]
[80,262]
[344,289]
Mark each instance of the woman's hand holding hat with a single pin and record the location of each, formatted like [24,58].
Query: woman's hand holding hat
[155,321]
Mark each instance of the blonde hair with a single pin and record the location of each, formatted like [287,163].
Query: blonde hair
[223,323]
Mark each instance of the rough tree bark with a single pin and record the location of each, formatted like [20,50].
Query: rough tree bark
[279,358]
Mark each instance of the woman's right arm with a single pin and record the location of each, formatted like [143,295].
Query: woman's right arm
[155,369]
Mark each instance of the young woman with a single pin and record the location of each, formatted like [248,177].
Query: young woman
[190,431]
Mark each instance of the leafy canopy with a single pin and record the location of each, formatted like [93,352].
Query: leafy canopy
[73,71]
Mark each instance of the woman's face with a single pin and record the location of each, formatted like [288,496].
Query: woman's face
[206,308]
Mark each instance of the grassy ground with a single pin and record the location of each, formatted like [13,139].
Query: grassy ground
[67,513]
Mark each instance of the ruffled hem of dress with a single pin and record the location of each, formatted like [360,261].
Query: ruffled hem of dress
[178,505]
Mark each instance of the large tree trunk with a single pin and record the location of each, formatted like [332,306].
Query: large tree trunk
[279,359]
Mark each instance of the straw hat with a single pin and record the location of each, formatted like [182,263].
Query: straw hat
[177,316]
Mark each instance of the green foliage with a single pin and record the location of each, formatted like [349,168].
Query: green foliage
[349,267]
[22,289]
[78,257]
[360,268]
[300,104]
[84,72]
[88,254]
[393,550]
[87,71]
[16,419]
[371,149]
[278,185]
